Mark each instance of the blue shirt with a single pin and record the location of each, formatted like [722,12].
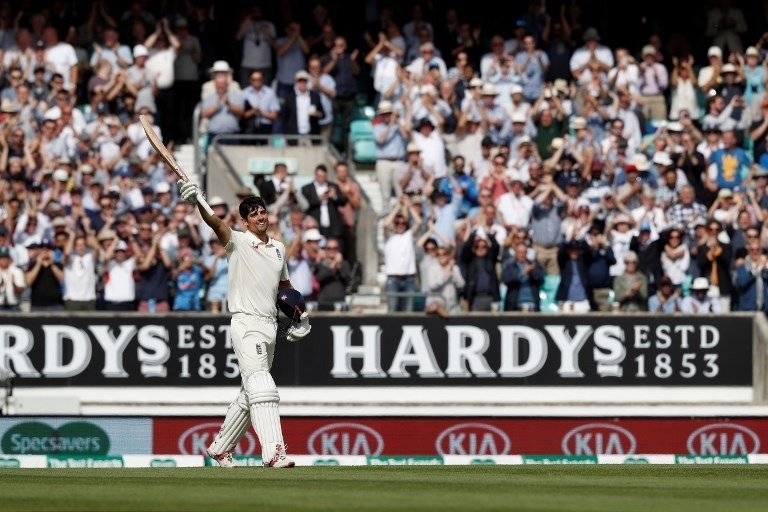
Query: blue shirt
[223,120]
[188,285]
[525,293]
[393,147]
[576,290]
[264,99]
[729,166]
[468,200]
[533,74]
[290,62]
[668,307]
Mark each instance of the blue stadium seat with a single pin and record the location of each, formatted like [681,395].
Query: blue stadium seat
[360,129]
[364,151]
[547,301]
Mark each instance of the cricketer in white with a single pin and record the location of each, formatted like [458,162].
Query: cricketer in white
[257,270]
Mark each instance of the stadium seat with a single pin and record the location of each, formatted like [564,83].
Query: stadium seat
[686,285]
[364,151]
[547,301]
[360,129]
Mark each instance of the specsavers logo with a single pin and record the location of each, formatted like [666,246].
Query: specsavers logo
[37,438]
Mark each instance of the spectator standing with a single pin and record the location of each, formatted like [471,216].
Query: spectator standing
[599,259]
[676,258]
[291,50]
[400,255]
[61,58]
[12,282]
[258,36]
[325,85]
[348,212]
[730,166]
[441,279]
[153,267]
[333,275]
[752,280]
[532,65]
[44,277]
[223,107]
[714,261]
[261,107]
[478,264]
[302,109]
[342,65]
[188,281]
[80,270]
[391,141]
[163,47]
[546,224]
[216,276]
[523,278]
[119,282]
[573,294]
[592,51]
[186,75]
[324,198]
[684,89]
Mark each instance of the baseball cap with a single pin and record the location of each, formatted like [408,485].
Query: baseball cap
[140,51]
[162,188]
[714,51]
[60,175]
[121,246]
[752,52]
[301,75]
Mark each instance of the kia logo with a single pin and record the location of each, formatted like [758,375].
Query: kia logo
[599,439]
[473,439]
[196,440]
[345,439]
[723,439]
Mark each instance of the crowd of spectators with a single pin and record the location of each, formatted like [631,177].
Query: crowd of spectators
[506,161]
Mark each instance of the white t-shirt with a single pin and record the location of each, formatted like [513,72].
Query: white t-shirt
[61,58]
[10,277]
[119,283]
[160,65]
[255,271]
[516,211]
[400,254]
[432,153]
[80,277]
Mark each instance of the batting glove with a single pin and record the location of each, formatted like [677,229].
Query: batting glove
[188,191]
[297,332]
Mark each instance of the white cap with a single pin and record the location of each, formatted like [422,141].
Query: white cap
[312,235]
[412,148]
[140,51]
[674,126]
[514,176]
[385,107]
[752,52]
[428,89]
[163,188]
[59,222]
[60,175]
[715,51]
[640,161]
[475,82]
[556,143]
[728,68]
[52,115]
[121,246]
[648,50]
[524,139]
[582,202]
[515,89]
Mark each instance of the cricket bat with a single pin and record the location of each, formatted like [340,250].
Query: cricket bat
[166,155]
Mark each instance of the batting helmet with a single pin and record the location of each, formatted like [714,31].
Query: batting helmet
[290,307]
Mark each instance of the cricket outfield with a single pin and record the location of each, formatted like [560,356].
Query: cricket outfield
[426,488]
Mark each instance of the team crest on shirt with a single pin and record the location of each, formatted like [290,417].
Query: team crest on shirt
[279,256]
[255,246]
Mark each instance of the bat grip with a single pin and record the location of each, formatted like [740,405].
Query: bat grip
[204,205]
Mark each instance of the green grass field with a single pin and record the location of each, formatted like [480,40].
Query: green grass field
[443,488]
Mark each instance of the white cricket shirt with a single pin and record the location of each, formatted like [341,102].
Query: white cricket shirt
[255,271]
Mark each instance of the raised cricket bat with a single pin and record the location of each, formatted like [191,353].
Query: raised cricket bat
[166,155]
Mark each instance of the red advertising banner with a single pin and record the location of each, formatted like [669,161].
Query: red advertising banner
[482,436]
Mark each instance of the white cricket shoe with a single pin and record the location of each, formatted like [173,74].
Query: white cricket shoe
[224,460]
[280,459]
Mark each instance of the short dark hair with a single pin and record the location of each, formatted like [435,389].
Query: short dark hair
[251,204]
[321,167]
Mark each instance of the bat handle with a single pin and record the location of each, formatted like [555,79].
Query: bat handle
[204,204]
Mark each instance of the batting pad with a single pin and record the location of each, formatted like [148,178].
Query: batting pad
[263,399]
[236,424]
